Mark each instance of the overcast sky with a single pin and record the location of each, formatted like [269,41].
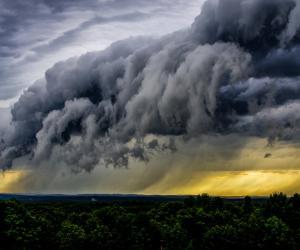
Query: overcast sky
[213,108]
[35,34]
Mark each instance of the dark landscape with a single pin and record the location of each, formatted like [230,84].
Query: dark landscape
[149,222]
[105,198]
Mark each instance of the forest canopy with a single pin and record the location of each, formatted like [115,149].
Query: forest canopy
[197,222]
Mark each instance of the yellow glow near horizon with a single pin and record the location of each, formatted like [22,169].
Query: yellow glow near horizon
[222,183]
[9,180]
[227,183]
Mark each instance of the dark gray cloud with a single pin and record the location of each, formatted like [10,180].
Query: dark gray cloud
[228,73]
[255,24]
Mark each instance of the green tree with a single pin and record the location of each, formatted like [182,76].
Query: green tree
[277,234]
[222,237]
[70,236]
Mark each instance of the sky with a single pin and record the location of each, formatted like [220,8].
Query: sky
[36,34]
[150,97]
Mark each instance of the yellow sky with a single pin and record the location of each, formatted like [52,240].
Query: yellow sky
[223,183]
[223,166]
[8,179]
[227,183]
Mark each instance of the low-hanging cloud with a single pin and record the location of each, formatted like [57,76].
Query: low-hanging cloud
[236,70]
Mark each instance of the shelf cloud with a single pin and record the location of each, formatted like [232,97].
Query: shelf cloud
[234,71]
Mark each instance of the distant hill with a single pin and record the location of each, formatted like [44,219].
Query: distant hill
[102,197]
[90,197]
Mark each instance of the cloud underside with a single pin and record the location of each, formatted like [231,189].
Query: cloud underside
[194,169]
[235,71]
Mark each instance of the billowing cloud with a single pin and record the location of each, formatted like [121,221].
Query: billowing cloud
[226,74]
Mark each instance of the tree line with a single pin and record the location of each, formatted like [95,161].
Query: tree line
[198,222]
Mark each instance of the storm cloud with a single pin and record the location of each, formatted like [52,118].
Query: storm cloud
[236,70]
